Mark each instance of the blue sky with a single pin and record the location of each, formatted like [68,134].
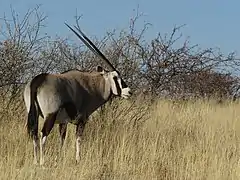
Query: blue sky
[209,23]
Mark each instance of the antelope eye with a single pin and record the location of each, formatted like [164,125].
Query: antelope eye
[115,78]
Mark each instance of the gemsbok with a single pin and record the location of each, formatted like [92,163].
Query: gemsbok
[69,97]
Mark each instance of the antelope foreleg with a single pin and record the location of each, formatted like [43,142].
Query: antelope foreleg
[79,133]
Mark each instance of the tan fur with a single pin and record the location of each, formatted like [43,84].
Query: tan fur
[92,89]
[70,97]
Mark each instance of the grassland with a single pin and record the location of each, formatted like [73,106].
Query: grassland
[140,140]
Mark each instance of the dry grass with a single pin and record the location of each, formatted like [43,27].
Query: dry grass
[197,140]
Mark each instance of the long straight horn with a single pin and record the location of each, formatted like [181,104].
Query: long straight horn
[90,45]
[93,48]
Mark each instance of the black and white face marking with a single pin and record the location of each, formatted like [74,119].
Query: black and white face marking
[118,85]
[118,88]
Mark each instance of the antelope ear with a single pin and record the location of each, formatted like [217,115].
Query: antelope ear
[78,67]
[100,69]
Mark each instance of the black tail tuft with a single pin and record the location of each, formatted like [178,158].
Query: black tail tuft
[32,120]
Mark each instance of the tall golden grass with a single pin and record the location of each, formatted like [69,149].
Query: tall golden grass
[133,140]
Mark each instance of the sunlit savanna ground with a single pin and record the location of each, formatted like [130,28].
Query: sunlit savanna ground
[195,140]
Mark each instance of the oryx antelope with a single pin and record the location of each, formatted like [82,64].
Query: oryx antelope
[69,97]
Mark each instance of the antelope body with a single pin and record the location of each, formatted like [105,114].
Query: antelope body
[69,97]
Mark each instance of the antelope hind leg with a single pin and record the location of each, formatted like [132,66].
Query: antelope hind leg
[47,127]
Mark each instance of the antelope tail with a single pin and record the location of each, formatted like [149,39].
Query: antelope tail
[32,121]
